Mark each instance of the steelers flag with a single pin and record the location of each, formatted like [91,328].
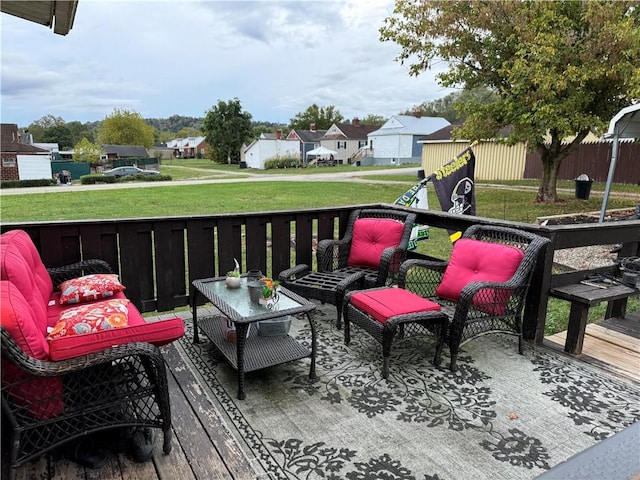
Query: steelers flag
[454,185]
[416,197]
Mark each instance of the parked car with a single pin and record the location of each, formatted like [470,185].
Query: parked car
[124,171]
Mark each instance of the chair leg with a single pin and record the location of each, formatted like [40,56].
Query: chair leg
[520,344]
[437,359]
[166,445]
[387,340]
[347,331]
[385,367]
[339,316]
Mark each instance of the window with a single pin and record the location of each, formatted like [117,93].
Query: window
[342,145]
[9,162]
[362,143]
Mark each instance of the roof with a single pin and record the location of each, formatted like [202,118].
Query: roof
[123,151]
[350,132]
[626,123]
[411,125]
[444,134]
[308,136]
[51,13]
[10,141]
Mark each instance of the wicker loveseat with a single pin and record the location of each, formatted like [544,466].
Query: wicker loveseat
[58,387]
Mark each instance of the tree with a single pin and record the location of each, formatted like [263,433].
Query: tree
[85,151]
[322,117]
[189,132]
[59,134]
[558,69]
[38,127]
[373,119]
[125,127]
[79,131]
[226,128]
[447,107]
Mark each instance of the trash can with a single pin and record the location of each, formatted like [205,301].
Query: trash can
[420,174]
[583,186]
[242,164]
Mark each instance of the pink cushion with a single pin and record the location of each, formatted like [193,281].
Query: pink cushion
[478,261]
[36,393]
[158,333]
[16,269]
[17,318]
[22,243]
[370,237]
[385,303]
[89,287]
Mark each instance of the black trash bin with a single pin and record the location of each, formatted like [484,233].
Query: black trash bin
[242,164]
[583,187]
[420,174]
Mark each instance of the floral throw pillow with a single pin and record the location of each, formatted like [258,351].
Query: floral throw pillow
[91,318]
[89,287]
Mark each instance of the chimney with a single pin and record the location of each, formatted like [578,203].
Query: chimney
[417,113]
[355,122]
[278,134]
[312,127]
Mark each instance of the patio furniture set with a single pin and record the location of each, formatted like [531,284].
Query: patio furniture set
[102,369]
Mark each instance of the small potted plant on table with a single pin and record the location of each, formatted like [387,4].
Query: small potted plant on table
[233,277]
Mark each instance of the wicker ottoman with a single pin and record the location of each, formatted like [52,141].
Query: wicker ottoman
[388,312]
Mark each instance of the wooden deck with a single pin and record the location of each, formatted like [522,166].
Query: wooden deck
[202,447]
[613,344]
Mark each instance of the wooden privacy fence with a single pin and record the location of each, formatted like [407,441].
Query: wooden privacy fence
[158,258]
[593,159]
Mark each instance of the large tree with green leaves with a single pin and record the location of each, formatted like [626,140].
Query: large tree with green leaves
[125,127]
[447,106]
[321,117]
[85,151]
[226,128]
[559,69]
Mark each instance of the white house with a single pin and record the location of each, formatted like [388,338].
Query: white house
[270,146]
[396,142]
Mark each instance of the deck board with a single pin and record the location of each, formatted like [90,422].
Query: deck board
[606,346]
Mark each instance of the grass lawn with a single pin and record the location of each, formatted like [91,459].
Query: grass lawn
[205,199]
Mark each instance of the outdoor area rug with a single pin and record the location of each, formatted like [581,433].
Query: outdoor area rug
[500,416]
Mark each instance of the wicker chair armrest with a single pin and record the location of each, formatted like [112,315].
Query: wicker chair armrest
[43,368]
[332,254]
[421,276]
[293,273]
[74,270]
[390,262]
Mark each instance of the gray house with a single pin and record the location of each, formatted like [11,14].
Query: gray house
[396,142]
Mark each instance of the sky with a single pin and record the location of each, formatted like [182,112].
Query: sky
[163,58]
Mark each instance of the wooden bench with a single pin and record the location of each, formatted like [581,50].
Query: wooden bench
[584,296]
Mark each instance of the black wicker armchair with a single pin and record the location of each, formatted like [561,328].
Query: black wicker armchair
[482,306]
[47,404]
[340,269]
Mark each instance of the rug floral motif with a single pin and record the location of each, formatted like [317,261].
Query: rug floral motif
[501,415]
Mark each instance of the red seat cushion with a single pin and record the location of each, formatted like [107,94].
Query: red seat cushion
[390,302]
[370,237]
[478,261]
[158,333]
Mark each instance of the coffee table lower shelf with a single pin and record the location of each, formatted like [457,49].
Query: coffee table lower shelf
[259,352]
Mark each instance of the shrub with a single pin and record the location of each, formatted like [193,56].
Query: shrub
[94,178]
[281,162]
[42,182]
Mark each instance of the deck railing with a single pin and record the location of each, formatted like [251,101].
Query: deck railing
[158,258]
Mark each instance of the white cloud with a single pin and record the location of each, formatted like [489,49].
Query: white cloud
[161,58]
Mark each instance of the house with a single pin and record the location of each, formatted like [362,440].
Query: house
[190,147]
[398,140]
[309,139]
[122,152]
[347,139]
[20,160]
[270,146]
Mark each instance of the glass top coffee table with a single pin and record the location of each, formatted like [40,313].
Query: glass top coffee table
[250,351]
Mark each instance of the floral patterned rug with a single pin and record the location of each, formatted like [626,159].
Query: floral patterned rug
[500,416]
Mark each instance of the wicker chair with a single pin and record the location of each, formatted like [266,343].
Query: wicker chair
[482,306]
[338,273]
[46,404]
